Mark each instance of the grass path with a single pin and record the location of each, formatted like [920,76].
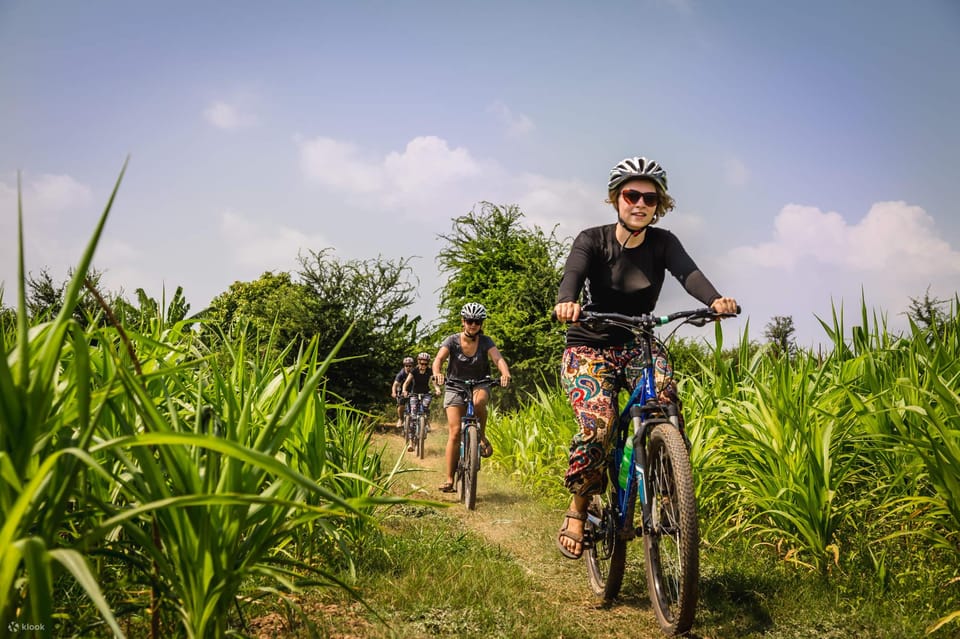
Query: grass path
[524,527]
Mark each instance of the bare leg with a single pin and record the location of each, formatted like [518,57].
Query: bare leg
[454,413]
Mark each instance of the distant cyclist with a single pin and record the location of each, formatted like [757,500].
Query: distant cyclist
[617,268]
[418,382]
[396,389]
[470,353]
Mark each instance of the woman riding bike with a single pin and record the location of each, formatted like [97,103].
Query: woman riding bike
[470,353]
[418,383]
[616,268]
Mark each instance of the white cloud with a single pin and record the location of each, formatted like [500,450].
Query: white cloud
[516,124]
[426,171]
[265,246]
[426,162]
[816,258]
[227,116]
[51,206]
[339,165]
[893,237]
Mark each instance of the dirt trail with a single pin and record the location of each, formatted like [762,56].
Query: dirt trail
[525,526]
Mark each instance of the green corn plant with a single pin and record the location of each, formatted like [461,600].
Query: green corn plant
[533,441]
[210,511]
[793,453]
[47,426]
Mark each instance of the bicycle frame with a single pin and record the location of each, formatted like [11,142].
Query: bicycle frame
[468,463]
[635,421]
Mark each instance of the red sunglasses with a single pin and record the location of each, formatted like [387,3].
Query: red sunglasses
[632,196]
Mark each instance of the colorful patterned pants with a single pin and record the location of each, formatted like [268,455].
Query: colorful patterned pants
[589,379]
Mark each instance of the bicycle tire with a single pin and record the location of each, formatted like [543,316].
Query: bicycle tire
[472,450]
[407,427]
[672,545]
[421,436]
[605,549]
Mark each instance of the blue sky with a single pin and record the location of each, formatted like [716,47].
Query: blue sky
[810,146]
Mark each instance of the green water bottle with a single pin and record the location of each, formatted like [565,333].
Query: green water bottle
[626,461]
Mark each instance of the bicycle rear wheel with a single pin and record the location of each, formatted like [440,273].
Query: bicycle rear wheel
[421,436]
[672,545]
[605,550]
[472,465]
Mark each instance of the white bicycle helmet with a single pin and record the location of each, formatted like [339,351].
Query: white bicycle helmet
[474,311]
[423,357]
[634,168]
[408,360]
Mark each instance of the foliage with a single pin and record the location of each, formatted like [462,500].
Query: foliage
[928,312]
[791,453]
[328,298]
[491,258]
[160,478]
[780,334]
[373,296]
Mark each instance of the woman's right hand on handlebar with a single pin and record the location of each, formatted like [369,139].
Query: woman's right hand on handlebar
[567,311]
[438,379]
[725,305]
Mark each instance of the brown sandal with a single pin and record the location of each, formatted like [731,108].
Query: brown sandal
[569,554]
[486,448]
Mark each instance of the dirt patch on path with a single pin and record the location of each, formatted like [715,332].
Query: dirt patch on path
[524,525]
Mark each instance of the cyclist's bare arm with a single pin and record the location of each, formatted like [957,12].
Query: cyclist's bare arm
[501,363]
[437,367]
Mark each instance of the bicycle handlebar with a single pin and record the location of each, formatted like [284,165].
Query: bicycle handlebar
[470,383]
[648,321]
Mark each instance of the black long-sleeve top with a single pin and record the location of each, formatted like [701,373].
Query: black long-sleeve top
[624,280]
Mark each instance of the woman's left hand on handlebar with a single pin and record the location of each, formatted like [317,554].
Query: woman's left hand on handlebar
[504,380]
[567,311]
[726,305]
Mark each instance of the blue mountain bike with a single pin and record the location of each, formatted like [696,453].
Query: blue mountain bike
[468,464]
[651,461]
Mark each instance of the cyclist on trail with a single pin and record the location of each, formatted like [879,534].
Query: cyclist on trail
[470,353]
[418,382]
[395,390]
[616,268]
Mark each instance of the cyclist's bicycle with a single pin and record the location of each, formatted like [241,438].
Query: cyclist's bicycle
[657,471]
[468,465]
[415,423]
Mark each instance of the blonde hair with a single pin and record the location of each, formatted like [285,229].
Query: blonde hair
[666,204]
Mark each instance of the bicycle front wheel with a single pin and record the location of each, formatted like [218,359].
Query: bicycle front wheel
[672,544]
[421,436]
[471,448]
[605,549]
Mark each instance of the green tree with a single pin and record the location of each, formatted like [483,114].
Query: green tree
[780,334]
[273,304]
[492,258]
[928,313]
[326,299]
[372,295]
[45,297]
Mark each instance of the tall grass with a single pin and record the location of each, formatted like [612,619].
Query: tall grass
[842,463]
[166,478]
